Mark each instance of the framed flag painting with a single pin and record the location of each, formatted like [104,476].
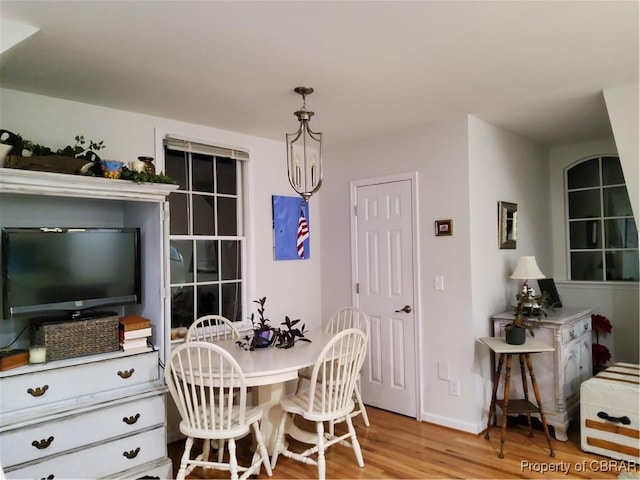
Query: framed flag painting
[290,228]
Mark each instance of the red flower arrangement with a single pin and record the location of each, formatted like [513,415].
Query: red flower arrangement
[600,354]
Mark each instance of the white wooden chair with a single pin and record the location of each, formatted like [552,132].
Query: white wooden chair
[212,328]
[329,399]
[348,317]
[202,378]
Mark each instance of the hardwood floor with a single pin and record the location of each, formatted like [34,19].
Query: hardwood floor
[400,447]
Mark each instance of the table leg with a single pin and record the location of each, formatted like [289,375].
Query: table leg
[525,390]
[268,399]
[496,382]
[537,394]
[505,406]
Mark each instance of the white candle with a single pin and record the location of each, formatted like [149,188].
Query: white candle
[137,166]
[37,354]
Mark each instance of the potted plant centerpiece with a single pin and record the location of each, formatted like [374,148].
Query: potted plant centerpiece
[526,315]
[264,335]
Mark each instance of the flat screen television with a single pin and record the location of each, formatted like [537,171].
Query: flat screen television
[69,271]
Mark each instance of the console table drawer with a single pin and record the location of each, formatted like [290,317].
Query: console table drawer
[100,460]
[571,332]
[77,430]
[40,388]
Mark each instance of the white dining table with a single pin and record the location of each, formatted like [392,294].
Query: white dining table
[268,370]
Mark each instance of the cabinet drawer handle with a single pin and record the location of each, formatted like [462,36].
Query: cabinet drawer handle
[586,327]
[132,454]
[131,420]
[623,420]
[50,477]
[126,373]
[38,391]
[42,444]
[571,333]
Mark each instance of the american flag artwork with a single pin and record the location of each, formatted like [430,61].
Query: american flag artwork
[303,233]
[291,233]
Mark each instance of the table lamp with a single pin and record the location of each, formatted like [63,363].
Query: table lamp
[527,269]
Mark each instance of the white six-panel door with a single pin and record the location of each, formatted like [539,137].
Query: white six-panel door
[384,261]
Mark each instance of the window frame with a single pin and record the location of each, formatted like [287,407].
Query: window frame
[602,219]
[242,176]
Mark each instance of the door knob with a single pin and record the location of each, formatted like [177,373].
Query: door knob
[405,309]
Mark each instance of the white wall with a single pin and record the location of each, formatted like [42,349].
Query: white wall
[438,152]
[617,301]
[292,287]
[502,167]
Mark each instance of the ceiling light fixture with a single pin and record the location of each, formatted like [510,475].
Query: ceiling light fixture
[304,152]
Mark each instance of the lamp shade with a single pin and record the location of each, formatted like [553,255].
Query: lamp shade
[527,268]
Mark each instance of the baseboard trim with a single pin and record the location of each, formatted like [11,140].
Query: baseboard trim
[454,423]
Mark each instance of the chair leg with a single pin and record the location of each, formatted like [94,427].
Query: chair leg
[262,449]
[182,471]
[220,450]
[233,461]
[354,442]
[363,410]
[322,467]
[279,440]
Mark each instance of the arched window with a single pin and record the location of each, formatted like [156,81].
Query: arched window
[603,237]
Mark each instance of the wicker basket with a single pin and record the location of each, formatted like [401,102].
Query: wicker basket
[77,338]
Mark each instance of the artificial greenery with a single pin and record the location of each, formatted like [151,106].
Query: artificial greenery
[79,149]
[82,149]
[528,317]
[264,335]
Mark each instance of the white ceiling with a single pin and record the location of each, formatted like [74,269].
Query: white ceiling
[535,68]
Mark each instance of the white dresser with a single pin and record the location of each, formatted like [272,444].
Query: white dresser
[559,373]
[89,417]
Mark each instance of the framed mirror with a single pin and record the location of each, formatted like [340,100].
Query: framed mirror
[507,225]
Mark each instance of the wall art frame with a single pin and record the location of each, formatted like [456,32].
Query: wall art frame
[444,228]
[507,225]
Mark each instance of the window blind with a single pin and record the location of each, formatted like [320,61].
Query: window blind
[182,145]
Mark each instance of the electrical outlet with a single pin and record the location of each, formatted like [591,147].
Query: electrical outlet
[439,282]
[454,387]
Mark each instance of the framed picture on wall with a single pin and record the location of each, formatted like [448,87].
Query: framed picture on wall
[444,228]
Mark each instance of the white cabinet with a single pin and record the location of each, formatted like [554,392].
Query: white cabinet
[559,373]
[97,416]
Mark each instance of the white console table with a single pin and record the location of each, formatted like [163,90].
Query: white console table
[559,373]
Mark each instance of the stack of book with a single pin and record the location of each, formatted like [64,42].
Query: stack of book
[134,332]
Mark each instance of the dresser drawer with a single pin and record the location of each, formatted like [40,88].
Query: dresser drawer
[158,470]
[40,388]
[77,430]
[100,460]
[575,330]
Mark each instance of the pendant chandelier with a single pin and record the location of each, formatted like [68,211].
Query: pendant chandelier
[304,152]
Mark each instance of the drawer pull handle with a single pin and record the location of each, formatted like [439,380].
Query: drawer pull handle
[623,420]
[50,477]
[132,454]
[38,391]
[131,420]
[126,373]
[42,444]
[572,333]
[586,327]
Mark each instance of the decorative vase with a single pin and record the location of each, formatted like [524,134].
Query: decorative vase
[262,338]
[111,168]
[515,335]
[149,167]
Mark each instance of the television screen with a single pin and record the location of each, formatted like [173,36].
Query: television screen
[69,269]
